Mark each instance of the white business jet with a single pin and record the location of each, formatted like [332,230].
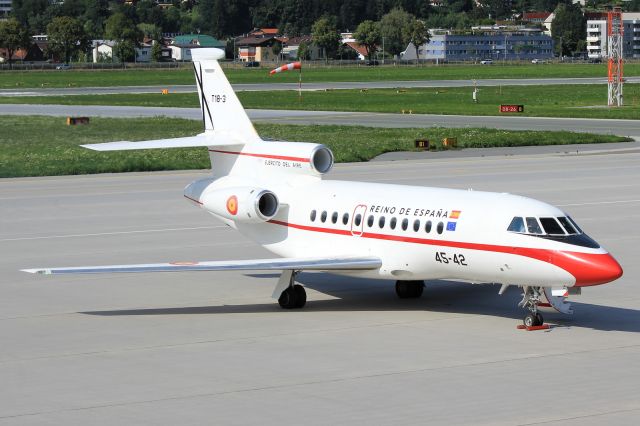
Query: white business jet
[273,193]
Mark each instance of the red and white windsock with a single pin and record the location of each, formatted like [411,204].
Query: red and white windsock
[288,67]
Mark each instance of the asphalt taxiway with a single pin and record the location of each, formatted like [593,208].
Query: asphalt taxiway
[369,119]
[202,348]
[271,86]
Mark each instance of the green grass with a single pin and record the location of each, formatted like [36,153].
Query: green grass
[45,146]
[311,73]
[540,101]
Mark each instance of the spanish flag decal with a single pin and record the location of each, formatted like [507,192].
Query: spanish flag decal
[455,214]
[232,205]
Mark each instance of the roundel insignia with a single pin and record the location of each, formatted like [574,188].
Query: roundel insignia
[232,205]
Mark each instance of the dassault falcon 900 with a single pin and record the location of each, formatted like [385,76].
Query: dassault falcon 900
[273,193]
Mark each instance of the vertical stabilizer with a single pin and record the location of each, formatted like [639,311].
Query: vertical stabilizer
[222,112]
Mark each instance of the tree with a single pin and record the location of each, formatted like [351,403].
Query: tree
[393,27]
[67,37]
[568,28]
[151,31]
[418,34]
[368,35]
[13,36]
[304,51]
[326,36]
[121,28]
[125,50]
[156,51]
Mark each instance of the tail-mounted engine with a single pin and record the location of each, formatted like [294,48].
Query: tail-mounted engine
[273,159]
[243,204]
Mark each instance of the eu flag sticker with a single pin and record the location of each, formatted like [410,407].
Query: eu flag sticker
[451,226]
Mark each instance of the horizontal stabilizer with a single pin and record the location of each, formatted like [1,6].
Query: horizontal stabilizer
[317,264]
[203,139]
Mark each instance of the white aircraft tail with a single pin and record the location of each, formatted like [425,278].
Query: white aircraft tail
[225,121]
[222,111]
[235,148]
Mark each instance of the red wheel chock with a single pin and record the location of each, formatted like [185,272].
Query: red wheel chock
[534,328]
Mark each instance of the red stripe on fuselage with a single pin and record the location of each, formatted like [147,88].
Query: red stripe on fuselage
[539,254]
[587,268]
[270,156]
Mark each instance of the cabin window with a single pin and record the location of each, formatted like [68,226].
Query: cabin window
[381,222]
[440,227]
[323,217]
[370,220]
[551,226]
[312,216]
[357,220]
[416,225]
[392,223]
[405,224]
[516,225]
[345,218]
[427,226]
[567,225]
[532,226]
[334,217]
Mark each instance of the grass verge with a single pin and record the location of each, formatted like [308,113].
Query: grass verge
[579,101]
[46,146]
[311,73]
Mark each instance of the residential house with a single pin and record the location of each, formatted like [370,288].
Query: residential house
[32,54]
[181,45]
[291,46]
[103,50]
[256,48]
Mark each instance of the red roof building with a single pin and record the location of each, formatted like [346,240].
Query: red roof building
[535,17]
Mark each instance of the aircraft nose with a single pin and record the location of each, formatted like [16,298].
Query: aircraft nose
[588,268]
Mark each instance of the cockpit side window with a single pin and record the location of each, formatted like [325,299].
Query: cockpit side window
[575,225]
[517,225]
[533,226]
[551,226]
[567,225]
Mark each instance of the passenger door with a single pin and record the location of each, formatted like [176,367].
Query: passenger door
[357,220]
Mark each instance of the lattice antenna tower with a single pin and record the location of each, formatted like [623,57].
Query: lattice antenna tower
[614,45]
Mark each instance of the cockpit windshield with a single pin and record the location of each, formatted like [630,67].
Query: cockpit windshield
[562,229]
[544,225]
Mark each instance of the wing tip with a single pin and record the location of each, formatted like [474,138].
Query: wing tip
[37,271]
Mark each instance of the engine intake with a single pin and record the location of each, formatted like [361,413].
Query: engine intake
[243,204]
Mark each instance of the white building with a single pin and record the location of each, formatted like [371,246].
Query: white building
[103,50]
[182,52]
[5,9]
[597,36]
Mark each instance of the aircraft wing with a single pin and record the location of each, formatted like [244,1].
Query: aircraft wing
[292,263]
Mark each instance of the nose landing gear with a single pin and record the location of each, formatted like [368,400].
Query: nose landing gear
[530,300]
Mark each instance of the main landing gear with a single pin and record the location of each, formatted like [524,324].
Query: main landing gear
[409,289]
[290,295]
[293,297]
[530,300]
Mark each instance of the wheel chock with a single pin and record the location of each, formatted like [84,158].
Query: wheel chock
[534,328]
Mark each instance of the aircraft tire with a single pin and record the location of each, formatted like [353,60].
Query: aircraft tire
[288,299]
[300,296]
[539,319]
[531,320]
